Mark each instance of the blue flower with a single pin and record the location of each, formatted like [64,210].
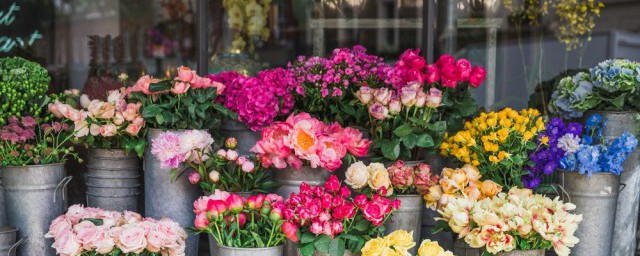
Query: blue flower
[568,162]
[587,158]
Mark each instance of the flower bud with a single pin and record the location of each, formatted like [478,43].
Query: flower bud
[214,176]
[194,177]
[232,155]
[231,143]
[394,107]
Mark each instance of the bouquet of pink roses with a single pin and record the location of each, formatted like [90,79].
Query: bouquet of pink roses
[258,100]
[93,231]
[111,124]
[327,219]
[223,169]
[184,102]
[302,137]
[235,222]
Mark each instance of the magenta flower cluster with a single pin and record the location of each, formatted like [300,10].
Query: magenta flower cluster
[19,132]
[258,100]
[345,68]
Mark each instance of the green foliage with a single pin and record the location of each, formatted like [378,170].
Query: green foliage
[357,232]
[23,88]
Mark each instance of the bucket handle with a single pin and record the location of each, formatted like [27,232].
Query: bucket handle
[15,246]
[561,186]
[622,187]
[63,183]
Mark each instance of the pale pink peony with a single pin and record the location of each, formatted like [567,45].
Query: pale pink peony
[166,148]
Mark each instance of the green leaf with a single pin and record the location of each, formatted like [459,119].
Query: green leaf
[160,118]
[362,225]
[424,141]
[403,130]
[322,243]
[307,249]
[336,248]
[307,238]
[390,149]
[409,141]
[97,222]
[151,111]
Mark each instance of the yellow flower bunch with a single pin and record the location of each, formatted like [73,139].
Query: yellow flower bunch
[497,143]
[398,243]
[577,18]
[248,20]
[461,182]
[496,224]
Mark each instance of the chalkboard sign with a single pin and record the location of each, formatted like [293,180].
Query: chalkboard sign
[23,23]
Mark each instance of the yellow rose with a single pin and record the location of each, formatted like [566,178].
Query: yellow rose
[472,172]
[357,175]
[490,188]
[400,240]
[433,196]
[459,176]
[379,177]
[449,186]
[374,247]
[429,248]
[446,172]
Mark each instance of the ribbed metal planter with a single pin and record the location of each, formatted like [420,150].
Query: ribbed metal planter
[232,251]
[290,179]
[164,198]
[245,136]
[408,217]
[213,245]
[3,211]
[113,180]
[8,244]
[35,196]
[595,198]
[626,222]
[461,248]
[528,253]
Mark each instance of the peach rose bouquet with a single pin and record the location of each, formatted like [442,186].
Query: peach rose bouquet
[457,183]
[111,124]
[401,178]
[518,220]
[398,243]
[93,231]
[302,138]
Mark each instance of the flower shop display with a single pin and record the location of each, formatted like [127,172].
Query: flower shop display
[93,231]
[498,144]
[326,86]
[113,130]
[224,169]
[23,85]
[328,219]
[409,119]
[408,183]
[611,85]
[305,147]
[514,221]
[591,170]
[257,101]
[242,226]
[398,243]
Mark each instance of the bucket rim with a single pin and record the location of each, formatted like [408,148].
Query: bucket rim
[8,229]
[250,249]
[595,173]
[612,111]
[30,165]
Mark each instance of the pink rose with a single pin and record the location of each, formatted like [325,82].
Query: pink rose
[67,243]
[133,129]
[449,75]
[131,217]
[156,241]
[108,130]
[118,119]
[337,227]
[365,94]
[86,233]
[201,221]
[171,229]
[185,74]
[180,88]
[106,111]
[445,60]
[463,69]
[378,111]
[401,178]
[395,107]
[478,75]
[383,95]
[53,108]
[412,59]
[103,243]
[434,98]
[58,226]
[132,111]
[433,75]
[132,239]
[316,228]
[421,99]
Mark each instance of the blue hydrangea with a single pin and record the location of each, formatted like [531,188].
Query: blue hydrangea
[617,75]
[573,96]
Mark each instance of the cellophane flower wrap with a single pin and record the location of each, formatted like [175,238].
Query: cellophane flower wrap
[329,220]
[410,118]
[398,243]
[591,153]
[518,220]
[462,182]
[111,124]
[302,138]
[498,144]
[92,231]
[399,178]
[224,169]
[186,101]
[255,222]
[259,100]
[326,86]
[611,85]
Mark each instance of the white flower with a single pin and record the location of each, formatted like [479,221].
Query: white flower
[569,142]
[357,175]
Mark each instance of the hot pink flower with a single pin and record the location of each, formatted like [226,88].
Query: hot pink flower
[445,60]
[316,228]
[291,231]
[201,220]
[333,184]
[478,75]
[463,69]
[433,74]
[200,205]
[235,203]
[194,177]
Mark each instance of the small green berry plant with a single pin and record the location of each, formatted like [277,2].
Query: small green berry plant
[23,88]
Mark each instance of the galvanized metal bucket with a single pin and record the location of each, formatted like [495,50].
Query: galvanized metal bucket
[290,179]
[8,244]
[408,217]
[444,238]
[213,245]
[245,136]
[626,221]
[595,198]
[113,180]
[3,211]
[461,248]
[317,253]
[232,251]
[527,253]
[35,196]
[164,198]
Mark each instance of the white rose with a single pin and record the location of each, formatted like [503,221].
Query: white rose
[357,175]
